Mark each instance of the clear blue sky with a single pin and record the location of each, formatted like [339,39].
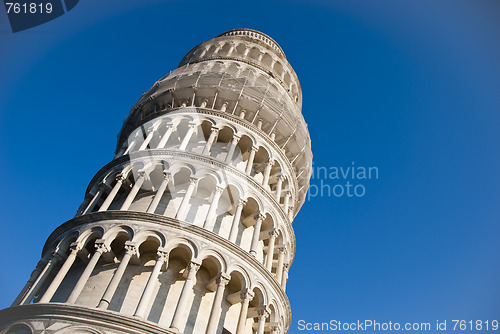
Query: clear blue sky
[411,87]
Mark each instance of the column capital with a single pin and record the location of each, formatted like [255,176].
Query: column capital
[151,129]
[246,296]
[241,202]
[193,268]
[74,247]
[222,279]
[192,125]
[219,189]
[167,176]
[287,193]
[273,233]
[101,247]
[263,313]
[260,215]
[141,173]
[270,162]
[282,177]
[235,138]
[193,180]
[161,255]
[130,247]
[254,148]
[214,130]
[119,177]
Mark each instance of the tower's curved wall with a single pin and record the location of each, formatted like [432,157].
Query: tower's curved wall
[189,227]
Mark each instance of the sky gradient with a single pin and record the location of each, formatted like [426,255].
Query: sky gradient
[409,87]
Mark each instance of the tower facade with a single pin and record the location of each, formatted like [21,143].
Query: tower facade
[189,228]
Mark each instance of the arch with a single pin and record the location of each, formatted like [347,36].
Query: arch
[183,243]
[90,234]
[142,236]
[215,257]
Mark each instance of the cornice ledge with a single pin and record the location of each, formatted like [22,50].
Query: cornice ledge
[172,223]
[90,316]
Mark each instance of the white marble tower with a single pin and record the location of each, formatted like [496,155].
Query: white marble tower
[189,228]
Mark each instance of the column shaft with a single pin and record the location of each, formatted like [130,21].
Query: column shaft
[278,189]
[230,153]
[112,194]
[187,289]
[144,145]
[182,212]
[251,158]
[267,172]
[236,221]
[214,317]
[210,141]
[270,251]
[187,137]
[279,269]
[41,279]
[256,234]
[242,319]
[100,248]
[94,200]
[159,194]
[56,282]
[161,258]
[165,137]
[211,215]
[113,285]
[133,192]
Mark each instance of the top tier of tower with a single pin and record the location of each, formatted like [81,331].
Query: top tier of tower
[254,48]
[241,73]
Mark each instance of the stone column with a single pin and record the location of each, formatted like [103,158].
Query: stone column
[270,251]
[151,132]
[263,314]
[213,320]
[112,193]
[94,199]
[230,153]
[101,248]
[211,139]
[130,250]
[135,189]
[187,137]
[55,258]
[130,147]
[267,172]
[286,202]
[181,213]
[159,193]
[211,215]
[166,136]
[281,259]
[246,297]
[33,277]
[251,158]
[284,279]
[278,187]
[236,221]
[54,285]
[161,258]
[187,290]
[256,234]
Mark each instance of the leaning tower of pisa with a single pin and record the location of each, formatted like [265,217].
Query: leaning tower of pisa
[189,228]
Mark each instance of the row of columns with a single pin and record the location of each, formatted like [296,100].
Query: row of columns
[142,308]
[207,149]
[182,211]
